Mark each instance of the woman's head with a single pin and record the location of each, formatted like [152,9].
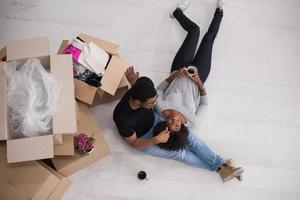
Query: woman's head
[174,121]
[177,140]
[144,93]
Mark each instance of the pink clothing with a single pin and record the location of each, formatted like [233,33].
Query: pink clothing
[74,51]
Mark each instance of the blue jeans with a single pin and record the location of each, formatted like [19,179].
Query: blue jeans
[196,153]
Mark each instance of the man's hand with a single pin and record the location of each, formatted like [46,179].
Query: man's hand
[178,73]
[131,75]
[163,136]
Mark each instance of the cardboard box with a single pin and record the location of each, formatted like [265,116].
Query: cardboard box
[8,191]
[29,180]
[113,83]
[66,148]
[68,165]
[64,120]
[61,188]
[57,139]
[3,54]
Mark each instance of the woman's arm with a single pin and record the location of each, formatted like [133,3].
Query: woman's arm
[176,74]
[202,91]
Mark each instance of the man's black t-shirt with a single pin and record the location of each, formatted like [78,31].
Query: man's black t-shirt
[129,121]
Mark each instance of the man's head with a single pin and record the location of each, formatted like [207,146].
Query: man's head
[144,93]
[177,139]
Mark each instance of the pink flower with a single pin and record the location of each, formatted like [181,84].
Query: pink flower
[83,143]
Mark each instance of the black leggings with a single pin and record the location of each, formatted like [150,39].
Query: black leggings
[185,55]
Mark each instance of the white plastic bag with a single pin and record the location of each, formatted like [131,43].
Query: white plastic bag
[32,97]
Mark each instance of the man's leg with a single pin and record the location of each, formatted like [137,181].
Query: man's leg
[185,156]
[203,56]
[185,54]
[196,145]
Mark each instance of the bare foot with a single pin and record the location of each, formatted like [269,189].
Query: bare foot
[131,75]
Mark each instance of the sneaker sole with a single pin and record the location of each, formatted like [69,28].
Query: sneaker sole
[236,173]
[183,9]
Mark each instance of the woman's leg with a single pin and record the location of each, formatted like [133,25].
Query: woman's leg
[203,56]
[185,54]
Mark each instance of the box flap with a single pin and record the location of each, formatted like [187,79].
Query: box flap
[6,170]
[109,47]
[124,82]
[64,120]
[9,192]
[57,139]
[34,180]
[113,75]
[84,92]
[28,48]
[3,105]
[3,54]
[68,165]
[62,47]
[105,98]
[34,148]
[66,148]
[61,187]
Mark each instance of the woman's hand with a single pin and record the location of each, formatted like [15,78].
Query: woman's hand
[177,74]
[196,79]
[199,83]
[163,136]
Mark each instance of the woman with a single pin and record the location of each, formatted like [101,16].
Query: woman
[181,96]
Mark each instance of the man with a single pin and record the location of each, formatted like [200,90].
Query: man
[134,116]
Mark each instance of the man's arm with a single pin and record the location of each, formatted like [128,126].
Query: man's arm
[140,143]
[131,75]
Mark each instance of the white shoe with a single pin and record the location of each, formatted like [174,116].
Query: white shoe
[220,4]
[183,5]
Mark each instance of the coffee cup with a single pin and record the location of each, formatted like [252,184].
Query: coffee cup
[142,175]
[191,70]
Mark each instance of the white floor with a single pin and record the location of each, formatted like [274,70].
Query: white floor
[254,92]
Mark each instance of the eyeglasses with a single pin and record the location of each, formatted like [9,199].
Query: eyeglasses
[146,104]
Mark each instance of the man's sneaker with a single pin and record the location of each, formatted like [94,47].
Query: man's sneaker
[183,5]
[220,4]
[240,177]
[228,171]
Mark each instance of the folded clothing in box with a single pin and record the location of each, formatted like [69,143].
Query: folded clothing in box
[89,61]
[113,83]
[94,58]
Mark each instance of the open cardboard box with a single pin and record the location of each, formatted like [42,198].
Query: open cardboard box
[64,120]
[66,148]
[113,83]
[29,180]
[68,165]
[3,54]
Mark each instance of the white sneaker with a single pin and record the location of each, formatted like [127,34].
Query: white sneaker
[220,4]
[183,5]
